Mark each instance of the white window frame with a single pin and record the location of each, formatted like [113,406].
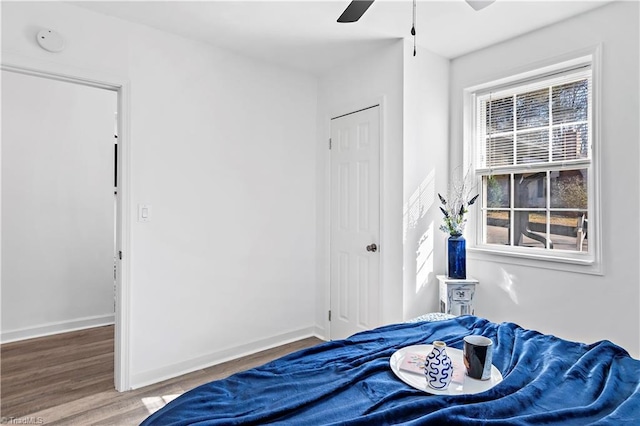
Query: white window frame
[590,263]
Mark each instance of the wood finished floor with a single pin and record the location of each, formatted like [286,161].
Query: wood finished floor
[67,379]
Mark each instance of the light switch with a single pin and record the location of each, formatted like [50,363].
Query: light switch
[144,213]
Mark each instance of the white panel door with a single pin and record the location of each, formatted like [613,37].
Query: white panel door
[355,223]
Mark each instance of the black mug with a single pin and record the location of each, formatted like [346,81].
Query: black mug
[477,354]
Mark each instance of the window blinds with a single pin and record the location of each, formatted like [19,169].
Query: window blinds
[539,124]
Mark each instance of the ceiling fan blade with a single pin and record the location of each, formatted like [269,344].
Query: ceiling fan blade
[479,4]
[355,10]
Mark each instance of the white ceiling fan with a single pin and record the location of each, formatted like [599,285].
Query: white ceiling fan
[357,8]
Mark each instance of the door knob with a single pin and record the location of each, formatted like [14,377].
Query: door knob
[372,247]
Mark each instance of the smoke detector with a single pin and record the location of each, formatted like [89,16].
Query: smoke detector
[50,40]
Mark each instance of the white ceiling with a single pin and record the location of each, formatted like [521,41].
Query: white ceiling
[304,34]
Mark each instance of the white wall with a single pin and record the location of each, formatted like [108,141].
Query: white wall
[57,206]
[426,136]
[571,305]
[368,80]
[223,148]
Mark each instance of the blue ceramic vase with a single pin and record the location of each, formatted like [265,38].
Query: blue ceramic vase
[438,367]
[457,257]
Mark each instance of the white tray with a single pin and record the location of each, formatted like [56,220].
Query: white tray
[460,383]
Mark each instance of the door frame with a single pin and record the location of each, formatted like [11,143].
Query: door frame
[55,71]
[336,113]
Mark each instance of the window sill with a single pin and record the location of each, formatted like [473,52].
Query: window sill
[574,264]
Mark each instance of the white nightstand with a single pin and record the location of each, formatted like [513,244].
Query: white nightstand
[456,296]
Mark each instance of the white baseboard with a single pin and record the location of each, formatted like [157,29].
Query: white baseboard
[320,333]
[56,328]
[150,377]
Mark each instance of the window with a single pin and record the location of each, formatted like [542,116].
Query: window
[532,152]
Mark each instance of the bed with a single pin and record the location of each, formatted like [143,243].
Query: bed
[545,380]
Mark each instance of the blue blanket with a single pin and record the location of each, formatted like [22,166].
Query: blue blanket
[547,380]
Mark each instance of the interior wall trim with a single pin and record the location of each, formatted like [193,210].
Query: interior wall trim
[50,328]
[156,375]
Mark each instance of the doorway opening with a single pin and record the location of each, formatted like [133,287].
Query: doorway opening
[65,168]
